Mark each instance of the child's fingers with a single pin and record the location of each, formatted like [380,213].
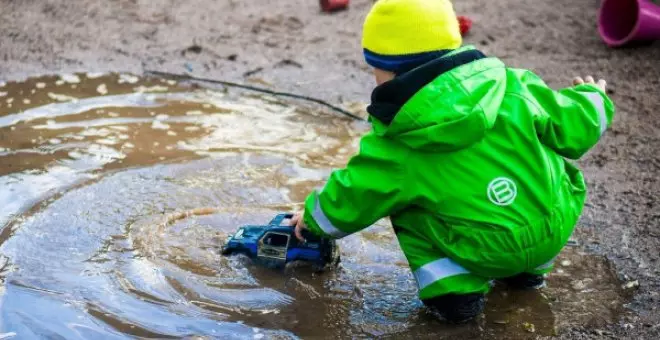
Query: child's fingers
[602,84]
[589,80]
[298,231]
[578,81]
[294,220]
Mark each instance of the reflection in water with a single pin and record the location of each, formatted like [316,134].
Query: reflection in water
[117,193]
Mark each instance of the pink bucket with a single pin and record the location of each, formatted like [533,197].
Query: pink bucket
[622,22]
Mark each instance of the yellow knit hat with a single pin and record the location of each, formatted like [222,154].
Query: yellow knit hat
[409,27]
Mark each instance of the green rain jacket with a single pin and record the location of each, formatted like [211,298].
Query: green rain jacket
[469,156]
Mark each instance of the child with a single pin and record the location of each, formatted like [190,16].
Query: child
[466,157]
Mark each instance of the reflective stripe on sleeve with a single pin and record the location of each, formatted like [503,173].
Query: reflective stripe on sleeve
[324,223]
[599,103]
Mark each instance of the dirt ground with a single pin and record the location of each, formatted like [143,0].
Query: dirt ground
[289,45]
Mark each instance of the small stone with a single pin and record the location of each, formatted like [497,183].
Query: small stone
[565,263]
[631,284]
[628,326]
[70,78]
[158,125]
[40,85]
[573,243]
[102,89]
[529,327]
[127,78]
[501,322]
[578,285]
[61,97]
[94,75]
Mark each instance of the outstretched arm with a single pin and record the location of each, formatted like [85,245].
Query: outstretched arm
[371,187]
[571,120]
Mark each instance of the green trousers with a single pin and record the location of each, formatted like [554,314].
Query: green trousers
[468,264]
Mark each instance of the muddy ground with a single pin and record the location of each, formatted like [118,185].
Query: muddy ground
[291,46]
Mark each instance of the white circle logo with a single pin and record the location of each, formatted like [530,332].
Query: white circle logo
[502,191]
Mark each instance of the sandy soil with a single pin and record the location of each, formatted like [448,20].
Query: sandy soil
[292,46]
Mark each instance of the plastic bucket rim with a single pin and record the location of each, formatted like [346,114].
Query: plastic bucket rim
[627,38]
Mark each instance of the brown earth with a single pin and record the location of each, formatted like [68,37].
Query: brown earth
[292,46]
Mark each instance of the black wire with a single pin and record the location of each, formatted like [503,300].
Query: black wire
[254,88]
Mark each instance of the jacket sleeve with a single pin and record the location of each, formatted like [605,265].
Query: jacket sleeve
[369,188]
[572,120]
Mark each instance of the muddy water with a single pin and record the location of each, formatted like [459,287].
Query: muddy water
[116,193]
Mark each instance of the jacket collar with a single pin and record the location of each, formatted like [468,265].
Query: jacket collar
[388,98]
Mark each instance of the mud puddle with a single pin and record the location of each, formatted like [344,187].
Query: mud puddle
[94,167]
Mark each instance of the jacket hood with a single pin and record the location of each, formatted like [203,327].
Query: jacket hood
[447,104]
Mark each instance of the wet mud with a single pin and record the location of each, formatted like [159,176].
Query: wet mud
[119,190]
[290,45]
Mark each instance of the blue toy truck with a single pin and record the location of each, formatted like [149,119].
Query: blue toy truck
[275,245]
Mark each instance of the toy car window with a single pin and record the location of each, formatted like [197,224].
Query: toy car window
[239,234]
[250,233]
[276,240]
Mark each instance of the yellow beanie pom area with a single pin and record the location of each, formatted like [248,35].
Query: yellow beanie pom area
[410,27]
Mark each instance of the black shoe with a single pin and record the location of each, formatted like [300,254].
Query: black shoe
[457,308]
[525,281]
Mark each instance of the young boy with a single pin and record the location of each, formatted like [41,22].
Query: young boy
[466,157]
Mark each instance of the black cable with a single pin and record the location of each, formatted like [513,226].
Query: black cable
[254,88]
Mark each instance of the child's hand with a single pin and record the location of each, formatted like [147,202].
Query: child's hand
[590,80]
[298,221]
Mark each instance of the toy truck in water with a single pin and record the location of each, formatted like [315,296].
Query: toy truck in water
[275,245]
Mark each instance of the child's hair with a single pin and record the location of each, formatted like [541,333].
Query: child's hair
[399,35]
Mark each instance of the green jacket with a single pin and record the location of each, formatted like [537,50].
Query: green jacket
[464,143]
